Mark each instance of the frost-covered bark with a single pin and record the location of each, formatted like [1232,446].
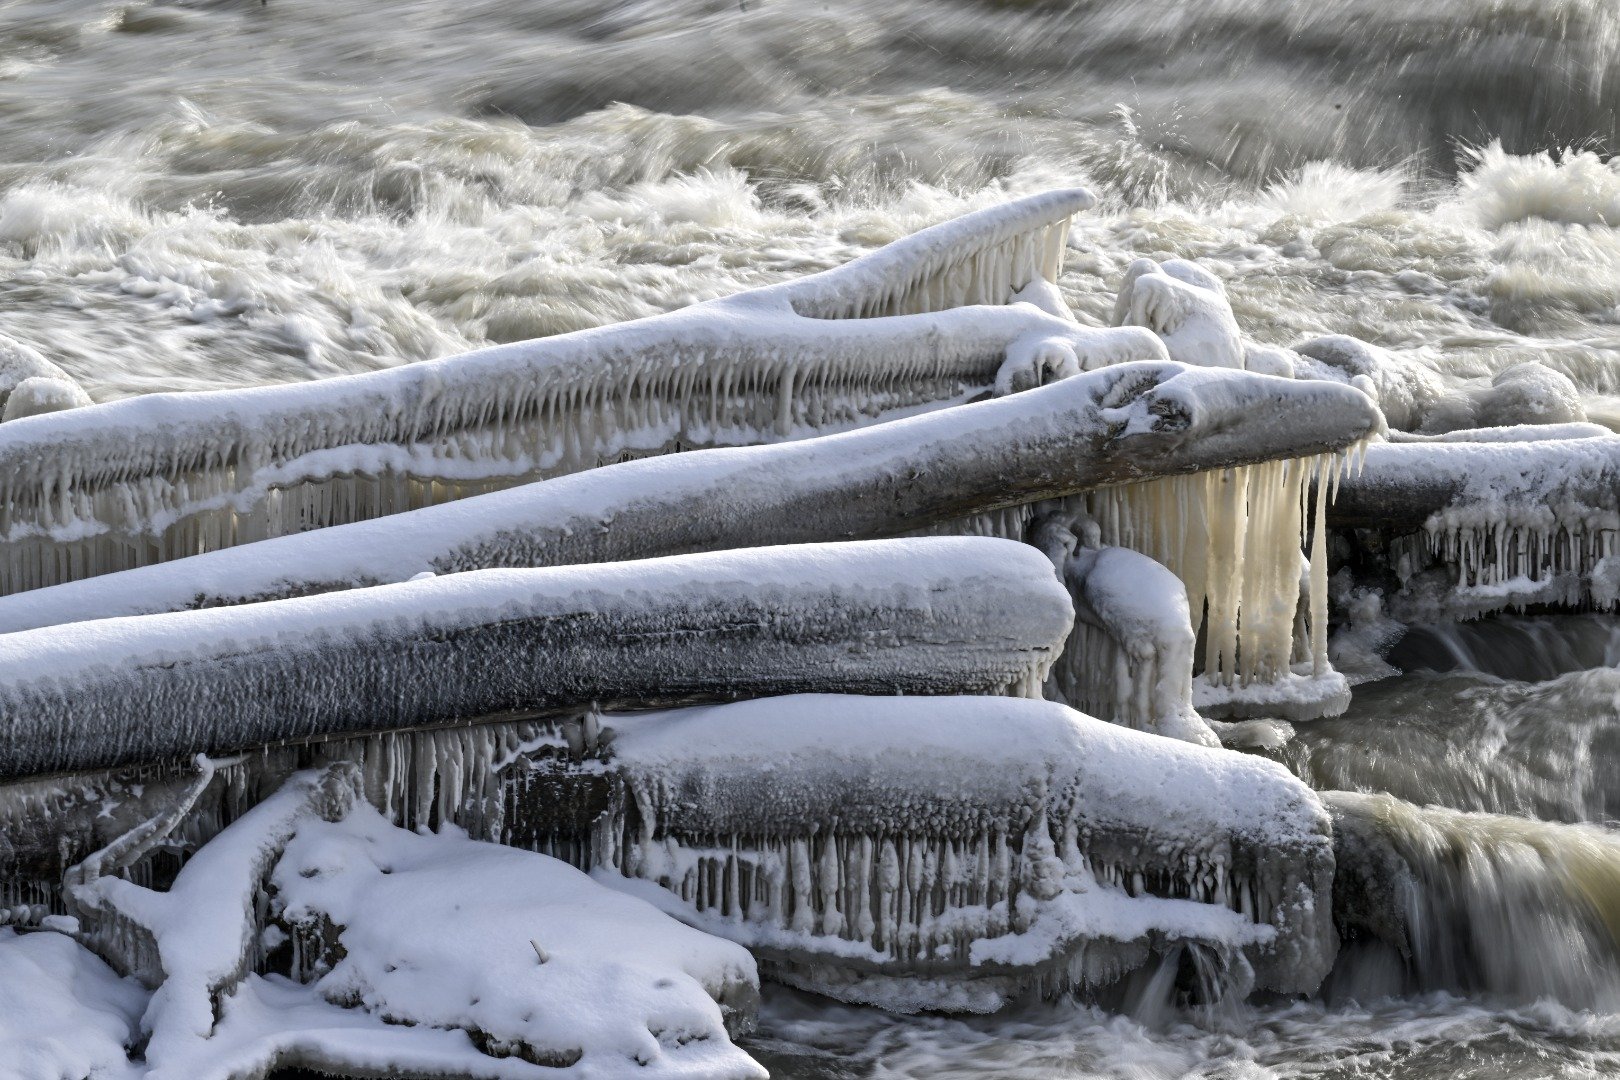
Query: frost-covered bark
[1464,528]
[1110,427]
[907,616]
[924,322]
[951,852]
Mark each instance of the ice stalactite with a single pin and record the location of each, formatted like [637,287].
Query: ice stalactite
[146,480]
[1234,538]
[1126,423]
[1129,659]
[935,616]
[417,778]
[1457,529]
[950,853]
[1439,899]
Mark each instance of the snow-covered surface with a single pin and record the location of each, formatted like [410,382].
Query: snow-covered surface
[1007,841]
[923,323]
[945,614]
[1124,423]
[64,1014]
[1130,657]
[523,950]
[430,955]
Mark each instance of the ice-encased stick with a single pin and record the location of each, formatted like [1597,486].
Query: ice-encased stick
[932,616]
[949,853]
[1404,485]
[924,322]
[1120,424]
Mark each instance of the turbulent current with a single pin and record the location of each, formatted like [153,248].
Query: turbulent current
[220,193]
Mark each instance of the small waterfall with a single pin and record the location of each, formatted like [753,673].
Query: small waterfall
[1437,899]
[1512,647]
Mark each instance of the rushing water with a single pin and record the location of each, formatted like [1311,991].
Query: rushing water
[222,192]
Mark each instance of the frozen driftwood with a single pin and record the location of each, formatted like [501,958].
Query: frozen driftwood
[411,956]
[1115,426]
[949,853]
[928,321]
[1469,527]
[914,616]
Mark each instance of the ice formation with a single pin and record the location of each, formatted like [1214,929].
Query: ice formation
[405,954]
[939,615]
[924,322]
[31,384]
[1225,531]
[1466,527]
[1418,399]
[1129,659]
[950,852]
[1186,306]
[1233,537]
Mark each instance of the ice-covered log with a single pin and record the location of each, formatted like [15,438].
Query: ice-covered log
[425,956]
[922,616]
[195,943]
[1110,427]
[1498,524]
[925,322]
[949,853]
[527,955]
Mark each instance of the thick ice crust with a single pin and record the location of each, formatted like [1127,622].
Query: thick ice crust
[943,615]
[925,322]
[947,840]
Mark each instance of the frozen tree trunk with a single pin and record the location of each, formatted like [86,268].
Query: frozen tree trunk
[1114,426]
[928,321]
[1403,485]
[953,853]
[916,617]
[1461,529]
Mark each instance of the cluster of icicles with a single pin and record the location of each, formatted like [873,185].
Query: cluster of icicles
[918,899]
[1233,537]
[1497,553]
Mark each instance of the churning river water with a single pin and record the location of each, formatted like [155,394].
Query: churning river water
[204,194]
